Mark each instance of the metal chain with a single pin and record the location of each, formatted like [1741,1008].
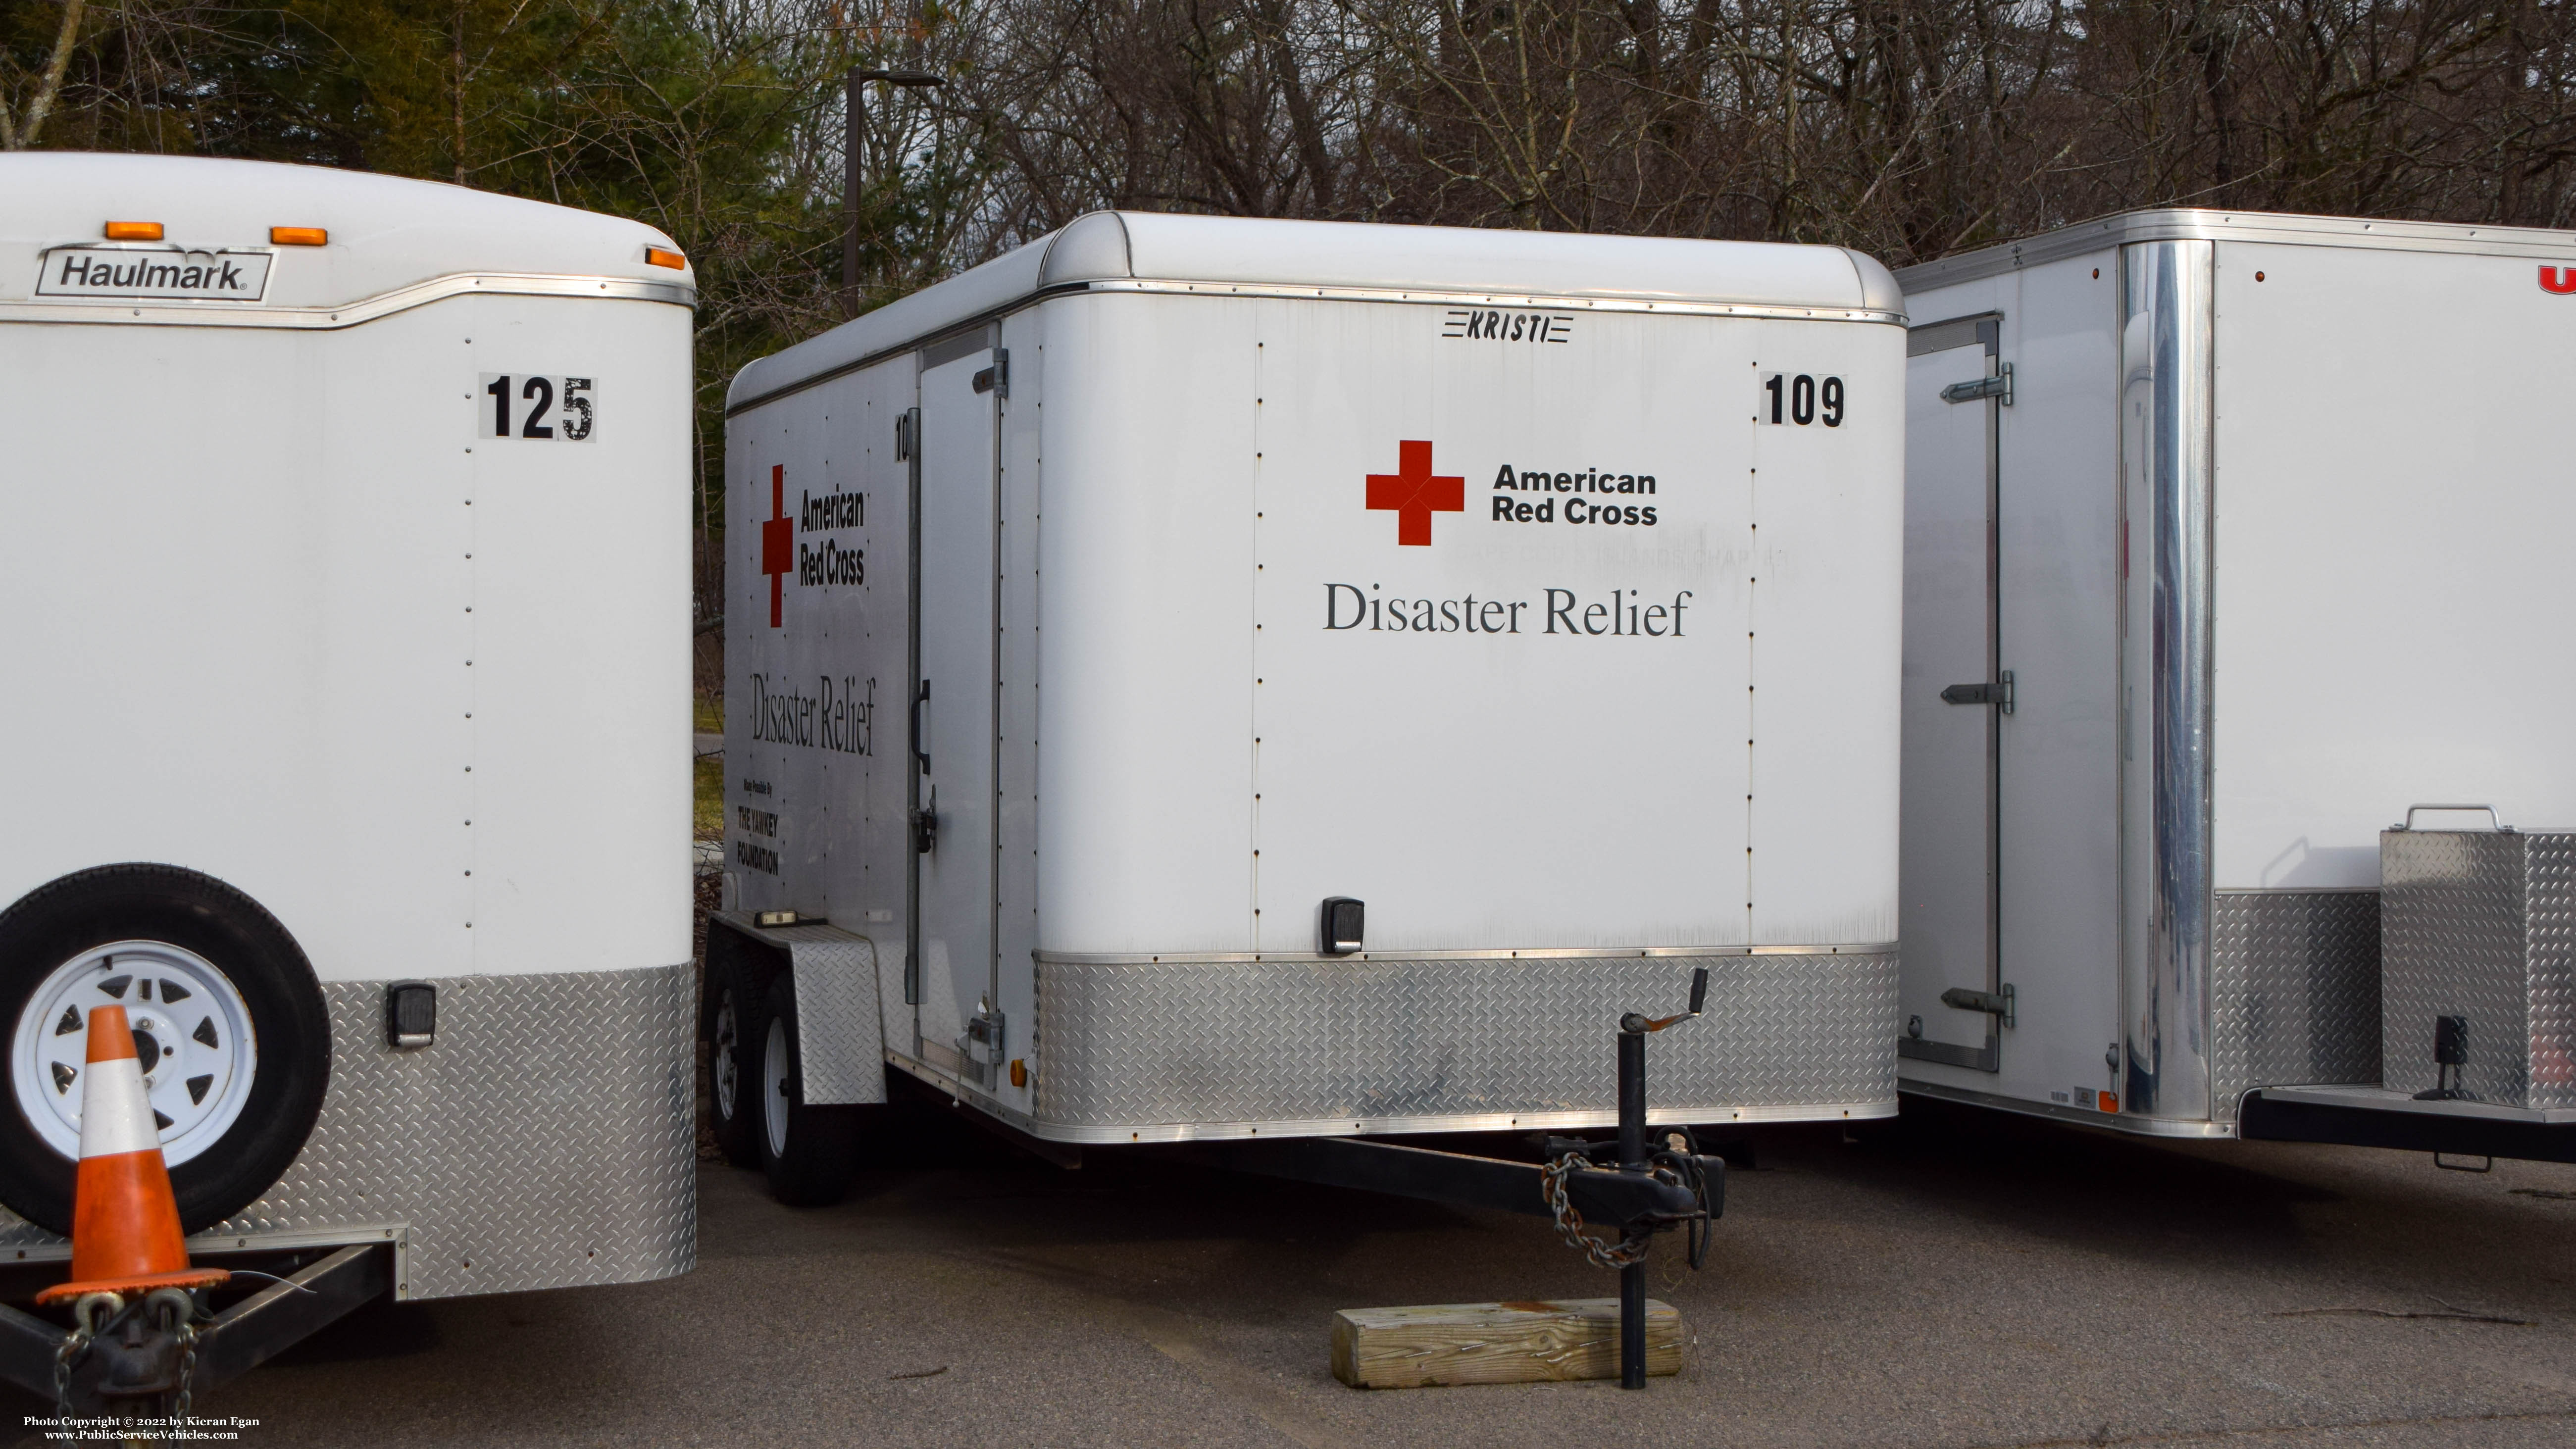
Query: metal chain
[75,1343]
[1569,1223]
[187,1366]
[100,1306]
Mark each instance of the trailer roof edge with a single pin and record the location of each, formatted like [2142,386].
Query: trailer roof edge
[1250,256]
[2210,224]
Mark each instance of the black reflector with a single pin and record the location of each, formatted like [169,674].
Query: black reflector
[1340,924]
[411,1014]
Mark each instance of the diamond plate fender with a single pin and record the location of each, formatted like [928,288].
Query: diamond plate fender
[546,1140]
[840,1035]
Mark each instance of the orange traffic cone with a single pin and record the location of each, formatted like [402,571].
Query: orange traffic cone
[125,1224]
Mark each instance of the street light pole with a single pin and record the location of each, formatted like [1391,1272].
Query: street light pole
[854,169]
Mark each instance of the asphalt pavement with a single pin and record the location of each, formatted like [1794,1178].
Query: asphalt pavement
[1959,1280]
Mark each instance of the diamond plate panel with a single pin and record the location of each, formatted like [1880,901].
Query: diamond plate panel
[1131,1045]
[545,1141]
[2294,991]
[2549,939]
[839,1035]
[2451,910]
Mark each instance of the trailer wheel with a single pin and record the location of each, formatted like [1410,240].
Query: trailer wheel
[733,1067]
[809,1152]
[229,1021]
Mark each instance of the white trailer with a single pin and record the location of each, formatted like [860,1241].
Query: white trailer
[1197,678]
[2231,537]
[343,545]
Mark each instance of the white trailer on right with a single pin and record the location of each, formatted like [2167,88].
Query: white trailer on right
[2233,540]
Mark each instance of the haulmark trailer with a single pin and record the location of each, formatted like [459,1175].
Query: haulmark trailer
[343,545]
[1200,678]
[2230,538]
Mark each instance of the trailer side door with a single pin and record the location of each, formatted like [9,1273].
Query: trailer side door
[1954,693]
[958,673]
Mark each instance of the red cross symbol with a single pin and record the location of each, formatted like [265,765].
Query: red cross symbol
[1415,494]
[777,541]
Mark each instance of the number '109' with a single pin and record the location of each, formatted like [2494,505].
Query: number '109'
[517,405]
[1803,400]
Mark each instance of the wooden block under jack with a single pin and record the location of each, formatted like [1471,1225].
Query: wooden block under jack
[1495,1343]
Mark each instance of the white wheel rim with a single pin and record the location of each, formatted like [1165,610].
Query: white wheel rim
[196,1042]
[773,1084]
[728,1066]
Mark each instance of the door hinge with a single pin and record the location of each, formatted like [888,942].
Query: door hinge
[1999,387]
[1997,1004]
[1999,693]
[996,379]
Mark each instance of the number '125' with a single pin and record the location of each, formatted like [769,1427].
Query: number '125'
[524,406]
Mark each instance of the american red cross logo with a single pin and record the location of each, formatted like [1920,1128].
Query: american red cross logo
[1414,494]
[777,541]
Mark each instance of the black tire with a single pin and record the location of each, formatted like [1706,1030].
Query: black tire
[292,1025]
[812,1165]
[733,1067]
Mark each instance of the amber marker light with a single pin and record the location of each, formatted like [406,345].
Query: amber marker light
[134,231]
[656,256]
[298,236]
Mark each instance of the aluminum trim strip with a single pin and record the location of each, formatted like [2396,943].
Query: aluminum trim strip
[1182,958]
[2165,439]
[365,309]
[1148,1133]
[2080,1116]
[1435,296]
[2185,224]
[1982,329]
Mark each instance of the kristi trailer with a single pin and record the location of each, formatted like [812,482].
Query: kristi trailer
[343,540]
[1195,678]
[2232,541]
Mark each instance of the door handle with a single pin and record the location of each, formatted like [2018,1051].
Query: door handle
[920,744]
[1999,693]
[925,826]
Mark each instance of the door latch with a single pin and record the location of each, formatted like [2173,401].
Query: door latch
[981,1045]
[925,826]
[1998,1004]
[1999,693]
[1999,387]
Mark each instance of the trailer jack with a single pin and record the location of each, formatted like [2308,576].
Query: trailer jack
[1624,1184]
[1675,1165]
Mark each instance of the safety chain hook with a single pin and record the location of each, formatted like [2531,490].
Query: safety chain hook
[1552,1178]
[90,1315]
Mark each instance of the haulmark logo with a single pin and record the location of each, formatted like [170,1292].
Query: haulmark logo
[777,544]
[154,273]
[1413,494]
